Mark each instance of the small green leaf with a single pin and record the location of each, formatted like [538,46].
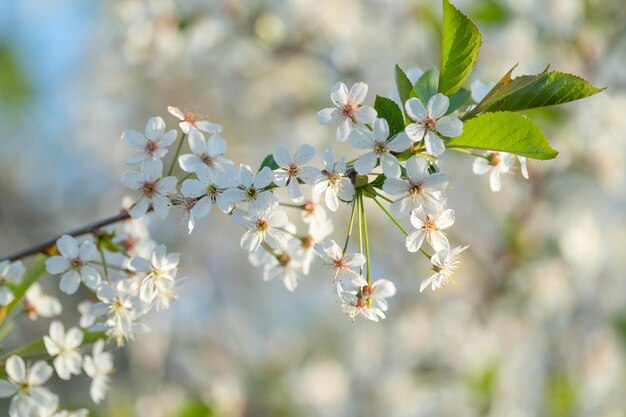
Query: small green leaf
[269,162]
[505,132]
[426,86]
[532,91]
[32,275]
[459,49]
[404,86]
[389,110]
[458,99]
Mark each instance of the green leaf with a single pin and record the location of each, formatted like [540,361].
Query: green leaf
[404,85]
[389,110]
[459,49]
[505,132]
[269,162]
[426,86]
[458,99]
[532,91]
[32,275]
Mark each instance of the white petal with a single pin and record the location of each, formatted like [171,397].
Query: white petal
[365,115]
[395,186]
[68,246]
[331,199]
[390,164]
[88,251]
[415,132]
[295,191]
[310,175]
[155,128]
[494,180]
[190,163]
[480,166]
[136,158]
[134,140]
[434,144]
[282,157]
[7,389]
[339,94]
[16,369]
[326,116]
[197,143]
[437,106]
[57,265]
[415,109]
[358,93]
[202,208]
[39,373]
[263,178]
[400,143]
[366,163]
[449,126]
[209,127]
[361,139]
[445,219]
[344,129]
[90,276]
[139,208]
[160,205]
[438,241]
[304,154]
[132,180]
[381,130]
[414,240]
[152,169]
[192,188]
[70,282]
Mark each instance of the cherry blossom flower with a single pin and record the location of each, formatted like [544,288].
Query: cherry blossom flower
[65,413]
[421,189]
[285,267]
[160,273]
[24,385]
[64,348]
[206,153]
[333,182]
[189,121]
[349,112]
[98,367]
[317,233]
[152,144]
[264,226]
[251,187]
[429,227]
[445,264]
[380,149]
[355,305]
[341,263]
[378,292]
[37,303]
[151,188]
[9,272]
[497,163]
[430,121]
[73,263]
[292,170]
[314,214]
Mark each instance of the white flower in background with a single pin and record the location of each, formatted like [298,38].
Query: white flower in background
[132,235]
[190,121]
[445,264]
[357,306]
[497,163]
[429,227]
[333,182]
[317,233]
[251,187]
[74,264]
[413,74]
[480,90]
[430,121]
[422,189]
[98,367]
[9,272]
[284,267]
[349,112]
[29,398]
[314,214]
[264,226]
[37,303]
[291,170]
[206,153]
[151,188]
[64,413]
[341,263]
[379,291]
[380,148]
[87,317]
[64,348]
[207,189]
[152,143]
[118,302]
[161,273]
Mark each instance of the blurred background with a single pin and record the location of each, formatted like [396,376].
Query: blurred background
[537,323]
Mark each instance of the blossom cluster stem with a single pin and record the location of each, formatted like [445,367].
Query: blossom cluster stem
[354,204]
[180,146]
[367,242]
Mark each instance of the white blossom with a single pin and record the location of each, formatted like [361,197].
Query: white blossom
[37,303]
[292,170]
[64,348]
[73,263]
[381,149]
[206,153]
[151,188]
[497,163]
[333,182]
[152,143]
[349,112]
[9,272]
[189,121]
[251,187]
[429,227]
[24,385]
[430,121]
[263,225]
[98,367]
[160,272]
[420,189]
[285,267]
[445,264]
[340,263]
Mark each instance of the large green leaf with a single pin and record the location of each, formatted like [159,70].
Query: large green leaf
[505,132]
[532,91]
[389,110]
[459,49]
[404,86]
[426,86]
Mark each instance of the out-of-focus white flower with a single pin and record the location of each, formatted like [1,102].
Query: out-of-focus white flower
[341,263]
[152,143]
[421,189]
[349,111]
[380,149]
[369,302]
[285,267]
[334,182]
[161,273]
[445,264]
[264,226]
[317,233]
[251,187]
[497,163]
[64,348]
[98,367]
[314,214]
[379,291]
[430,121]
[9,272]
[429,227]
[206,153]
[480,90]
[291,170]
[189,121]
[24,385]
[37,303]
[151,188]
[73,263]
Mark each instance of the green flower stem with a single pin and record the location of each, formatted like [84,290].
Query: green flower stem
[367,242]
[185,177]
[354,204]
[383,197]
[38,348]
[393,219]
[180,145]
[104,264]
[296,206]
[34,272]
[358,201]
